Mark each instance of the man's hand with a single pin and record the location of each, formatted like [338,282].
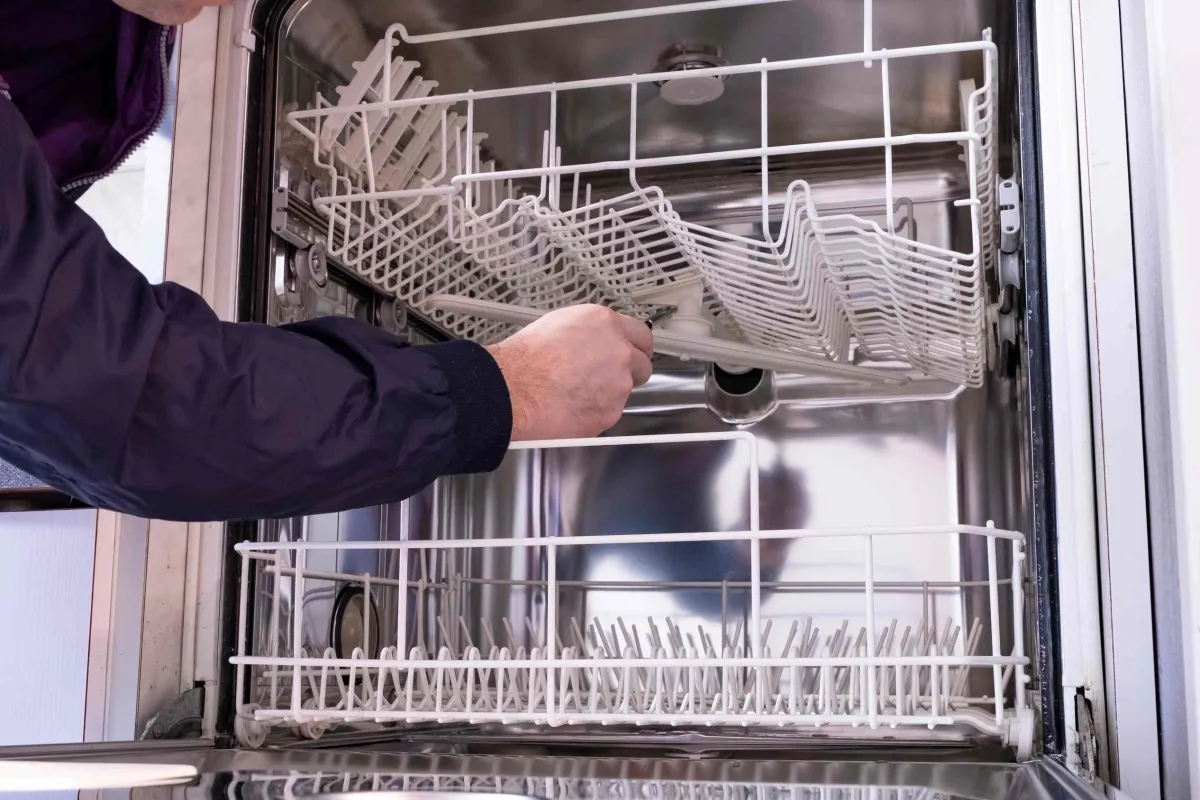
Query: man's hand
[570,373]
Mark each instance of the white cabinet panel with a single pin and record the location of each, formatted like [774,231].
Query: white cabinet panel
[46,562]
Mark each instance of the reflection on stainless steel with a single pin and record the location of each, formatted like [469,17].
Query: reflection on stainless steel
[377,787]
[529,770]
[417,794]
[287,774]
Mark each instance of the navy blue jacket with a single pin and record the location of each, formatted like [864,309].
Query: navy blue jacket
[135,397]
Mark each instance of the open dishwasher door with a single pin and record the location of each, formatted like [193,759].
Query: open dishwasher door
[374,773]
[817,569]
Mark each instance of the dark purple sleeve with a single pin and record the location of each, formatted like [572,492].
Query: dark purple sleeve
[137,398]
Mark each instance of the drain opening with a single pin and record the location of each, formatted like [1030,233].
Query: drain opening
[738,383]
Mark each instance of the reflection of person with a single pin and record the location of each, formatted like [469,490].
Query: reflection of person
[676,488]
[136,397]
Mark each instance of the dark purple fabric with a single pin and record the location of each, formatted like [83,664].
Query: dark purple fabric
[136,397]
[86,75]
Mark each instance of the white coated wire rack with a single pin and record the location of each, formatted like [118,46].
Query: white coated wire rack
[557,668]
[298,785]
[417,208]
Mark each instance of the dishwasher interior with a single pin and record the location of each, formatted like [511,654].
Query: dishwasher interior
[823,537]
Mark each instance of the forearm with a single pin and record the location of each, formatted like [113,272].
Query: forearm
[136,397]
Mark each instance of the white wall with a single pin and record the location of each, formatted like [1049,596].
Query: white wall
[131,206]
[1174,64]
[45,616]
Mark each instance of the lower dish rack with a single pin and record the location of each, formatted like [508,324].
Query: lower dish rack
[427,642]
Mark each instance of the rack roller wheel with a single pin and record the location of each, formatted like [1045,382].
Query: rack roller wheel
[249,732]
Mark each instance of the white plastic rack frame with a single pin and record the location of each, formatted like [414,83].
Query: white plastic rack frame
[416,209]
[880,671]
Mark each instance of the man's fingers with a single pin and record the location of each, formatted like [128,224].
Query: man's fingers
[639,367]
[638,334]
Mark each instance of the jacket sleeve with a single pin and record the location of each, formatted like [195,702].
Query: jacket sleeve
[137,398]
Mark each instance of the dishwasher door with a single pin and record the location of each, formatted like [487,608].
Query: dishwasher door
[221,189]
[400,772]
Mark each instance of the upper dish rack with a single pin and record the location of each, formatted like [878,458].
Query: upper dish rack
[417,208]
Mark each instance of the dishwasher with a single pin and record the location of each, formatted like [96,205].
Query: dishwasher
[830,550]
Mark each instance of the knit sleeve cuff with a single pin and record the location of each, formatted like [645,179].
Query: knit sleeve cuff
[483,411]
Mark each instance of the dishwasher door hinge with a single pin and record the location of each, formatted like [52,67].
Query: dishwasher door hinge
[1006,310]
[1087,744]
[182,718]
